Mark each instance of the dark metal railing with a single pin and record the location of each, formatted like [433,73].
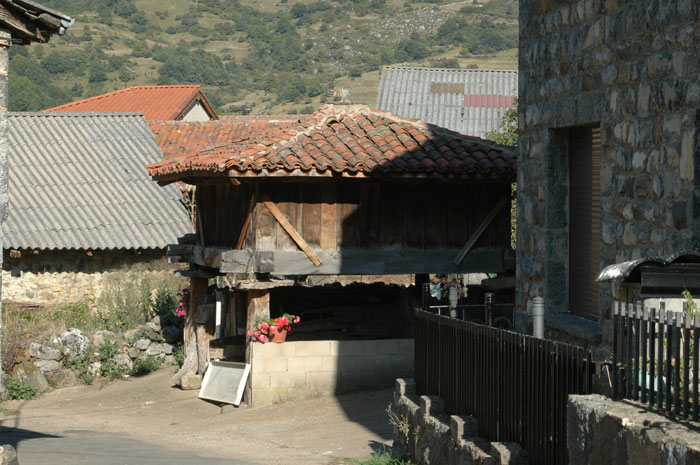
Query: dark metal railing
[655,358]
[516,385]
[490,313]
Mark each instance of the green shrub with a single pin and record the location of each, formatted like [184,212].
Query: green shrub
[179,354]
[132,297]
[72,314]
[165,302]
[384,457]
[144,333]
[147,364]
[80,363]
[105,354]
[18,390]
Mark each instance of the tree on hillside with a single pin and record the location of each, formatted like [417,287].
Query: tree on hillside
[507,132]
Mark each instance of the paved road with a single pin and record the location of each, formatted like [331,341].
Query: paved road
[88,448]
[144,421]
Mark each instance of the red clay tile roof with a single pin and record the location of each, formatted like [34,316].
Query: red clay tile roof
[350,141]
[180,138]
[155,102]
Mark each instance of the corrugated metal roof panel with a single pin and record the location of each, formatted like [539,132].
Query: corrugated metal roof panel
[461,100]
[79,181]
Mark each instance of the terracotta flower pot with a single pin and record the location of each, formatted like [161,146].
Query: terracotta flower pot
[279,335]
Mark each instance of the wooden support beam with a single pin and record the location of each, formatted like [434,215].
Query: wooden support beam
[208,257]
[291,231]
[203,321]
[258,308]
[480,230]
[198,291]
[367,262]
[246,225]
[200,230]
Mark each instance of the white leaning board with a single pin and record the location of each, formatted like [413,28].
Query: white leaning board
[225,382]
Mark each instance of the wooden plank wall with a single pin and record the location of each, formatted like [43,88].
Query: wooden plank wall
[331,216]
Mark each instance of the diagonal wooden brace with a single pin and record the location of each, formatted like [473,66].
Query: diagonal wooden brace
[291,231]
[480,230]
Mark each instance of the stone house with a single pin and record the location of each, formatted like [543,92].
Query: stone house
[81,204]
[157,103]
[608,163]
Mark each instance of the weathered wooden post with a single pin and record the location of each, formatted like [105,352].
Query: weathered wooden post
[198,290]
[5,43]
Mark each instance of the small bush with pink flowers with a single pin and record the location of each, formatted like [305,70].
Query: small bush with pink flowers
[184,296]
[262,330]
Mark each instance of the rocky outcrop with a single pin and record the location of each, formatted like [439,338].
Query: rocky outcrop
[44,352]
[30,375]
[8,455]
[52,359]
[73,343]
[190,381]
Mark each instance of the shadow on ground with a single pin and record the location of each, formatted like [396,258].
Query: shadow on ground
[14,436]
[87,448]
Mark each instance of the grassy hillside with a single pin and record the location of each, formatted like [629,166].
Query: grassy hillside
[276,56]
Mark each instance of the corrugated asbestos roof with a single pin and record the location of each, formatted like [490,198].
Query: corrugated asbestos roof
[155,102]
[350,140]
[79,181]
[467,101]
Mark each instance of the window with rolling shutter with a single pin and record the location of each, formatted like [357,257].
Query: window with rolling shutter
[584,220]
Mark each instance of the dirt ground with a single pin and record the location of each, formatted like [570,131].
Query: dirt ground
[150,413]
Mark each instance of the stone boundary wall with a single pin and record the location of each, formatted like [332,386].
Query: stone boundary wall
[426,435]
[305,369]
[70,275]
[600,430]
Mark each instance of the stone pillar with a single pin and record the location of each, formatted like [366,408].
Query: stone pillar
[5,43]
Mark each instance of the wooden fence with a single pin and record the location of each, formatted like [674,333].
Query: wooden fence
[655,358]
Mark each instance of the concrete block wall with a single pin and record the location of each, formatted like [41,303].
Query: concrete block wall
[305,369]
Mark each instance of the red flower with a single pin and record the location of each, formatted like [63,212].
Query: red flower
[262,338]
[297,319]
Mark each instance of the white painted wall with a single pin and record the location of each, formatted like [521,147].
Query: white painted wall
[196,113]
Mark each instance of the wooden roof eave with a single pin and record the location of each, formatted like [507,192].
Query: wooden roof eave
[197,97]
[192,177]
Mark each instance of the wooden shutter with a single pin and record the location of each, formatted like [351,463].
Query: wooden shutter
[584,220]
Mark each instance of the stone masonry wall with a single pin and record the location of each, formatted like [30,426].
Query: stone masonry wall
[600,430]
[632,68]
[426,435]
[69,275]
[306,369]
